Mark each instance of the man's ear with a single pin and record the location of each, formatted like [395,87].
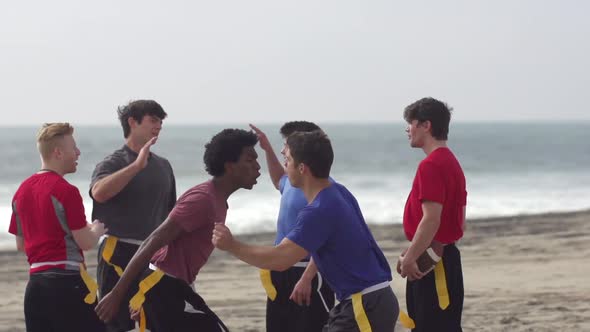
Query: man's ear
[57,153]
[131,122]
[228,167]
[301,168]
[427,125]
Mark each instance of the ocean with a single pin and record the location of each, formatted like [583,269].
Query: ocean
[511,168]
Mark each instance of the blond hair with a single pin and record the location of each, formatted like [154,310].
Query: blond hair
[50,135]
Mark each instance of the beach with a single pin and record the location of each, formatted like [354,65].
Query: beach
[521,273]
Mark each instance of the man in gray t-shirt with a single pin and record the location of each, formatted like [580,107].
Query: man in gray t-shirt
[132,190]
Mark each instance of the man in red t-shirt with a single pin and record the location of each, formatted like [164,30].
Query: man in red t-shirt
[434,214]
[50,226]
[181,245]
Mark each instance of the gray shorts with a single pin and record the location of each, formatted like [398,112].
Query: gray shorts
[376,312]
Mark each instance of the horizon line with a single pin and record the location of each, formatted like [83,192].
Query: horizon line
[336,122]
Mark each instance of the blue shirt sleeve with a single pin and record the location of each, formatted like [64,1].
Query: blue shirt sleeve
[311,230]
[282,182]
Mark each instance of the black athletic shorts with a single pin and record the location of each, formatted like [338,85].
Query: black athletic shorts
[422,298]
[284,315]
[54,302]
[376,311]
[172,305]
[107,277]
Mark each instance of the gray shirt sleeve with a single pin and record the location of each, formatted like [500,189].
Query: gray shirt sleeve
[108,166]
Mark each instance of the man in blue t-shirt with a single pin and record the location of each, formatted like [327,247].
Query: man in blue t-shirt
[332,229]
[299,300]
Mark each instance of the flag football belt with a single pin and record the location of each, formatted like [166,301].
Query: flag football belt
[440,281]
[109,250]
[138,299]
[107,253]
[360,316]
[86,278]
[266,280]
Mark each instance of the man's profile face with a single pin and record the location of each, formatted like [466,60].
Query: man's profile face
[148,127]
[417,131]
[69,153]
[247,168]
[292,170]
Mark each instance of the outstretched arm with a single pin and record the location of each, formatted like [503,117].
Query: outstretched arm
[87,237]
[278,258]
[275,168]
[109,304]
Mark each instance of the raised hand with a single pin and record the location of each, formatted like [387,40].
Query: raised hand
[262,139]
[144,153]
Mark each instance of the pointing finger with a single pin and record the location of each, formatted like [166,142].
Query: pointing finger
[254,128]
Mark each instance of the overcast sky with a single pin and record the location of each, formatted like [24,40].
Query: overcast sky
[273,61]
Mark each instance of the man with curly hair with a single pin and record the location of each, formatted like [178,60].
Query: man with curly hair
[333,230]
[179,247]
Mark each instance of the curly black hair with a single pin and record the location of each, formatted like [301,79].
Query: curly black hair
[290,127]
[137,109]
[226,146]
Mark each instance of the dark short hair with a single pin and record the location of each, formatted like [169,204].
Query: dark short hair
[314,150]
[290,127]
[435,111]
[137,109]
[226,146]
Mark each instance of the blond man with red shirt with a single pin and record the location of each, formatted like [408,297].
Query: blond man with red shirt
[434,214]
[50,226]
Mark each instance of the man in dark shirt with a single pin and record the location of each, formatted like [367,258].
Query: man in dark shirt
[133,190]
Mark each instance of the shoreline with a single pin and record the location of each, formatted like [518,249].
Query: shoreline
[521,217]
[521,273]
[254,235]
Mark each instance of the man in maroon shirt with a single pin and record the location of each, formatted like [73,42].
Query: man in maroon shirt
[181,245]
[434,214]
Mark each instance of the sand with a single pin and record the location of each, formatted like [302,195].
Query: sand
[522,273]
